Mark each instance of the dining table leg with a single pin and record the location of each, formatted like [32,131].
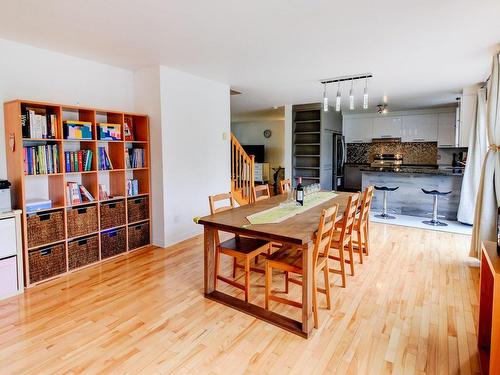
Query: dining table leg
[307,282]
[209,259]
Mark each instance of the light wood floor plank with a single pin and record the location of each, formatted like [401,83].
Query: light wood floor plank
[411,308]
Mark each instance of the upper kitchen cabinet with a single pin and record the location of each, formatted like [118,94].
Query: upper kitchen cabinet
[358,130]
[387,127]
[447,130]
[420,128]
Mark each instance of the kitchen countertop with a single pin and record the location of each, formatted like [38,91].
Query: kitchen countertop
[443,171]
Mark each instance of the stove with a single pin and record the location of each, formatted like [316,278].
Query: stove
[389,161]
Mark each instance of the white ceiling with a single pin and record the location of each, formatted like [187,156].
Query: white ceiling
[421,52]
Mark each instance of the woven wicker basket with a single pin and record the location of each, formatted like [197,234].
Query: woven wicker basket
[47,262]
[83,251]
[45,227]
[138,235]
[113,242]
[138,209]
[112,214]
[82,221]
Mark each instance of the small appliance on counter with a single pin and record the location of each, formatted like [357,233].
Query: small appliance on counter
[387,161]
[5,202]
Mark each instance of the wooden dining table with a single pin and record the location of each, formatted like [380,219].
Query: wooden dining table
[297,231]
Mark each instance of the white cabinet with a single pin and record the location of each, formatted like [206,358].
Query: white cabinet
[387,127]
[11,254]
[358,130]
[447,130]
[419,128]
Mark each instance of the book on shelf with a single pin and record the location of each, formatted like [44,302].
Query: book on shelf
[128,129]
[132,187]
[78,161]
[77,194]
[42,159]
[37,123]
[135,158]
[103,194]
[104,160]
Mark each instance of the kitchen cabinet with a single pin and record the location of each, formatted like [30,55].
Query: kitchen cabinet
[447,130]
[420,128]
[353,176]
[387,127]
[358,130]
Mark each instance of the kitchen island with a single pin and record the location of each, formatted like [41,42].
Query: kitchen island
[409,198]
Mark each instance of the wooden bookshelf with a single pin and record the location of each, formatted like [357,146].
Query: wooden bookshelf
[53,185]
[488,332]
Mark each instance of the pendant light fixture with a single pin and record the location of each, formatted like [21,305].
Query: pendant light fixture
[365,95]
[325,99]
[351,97]
[338,99]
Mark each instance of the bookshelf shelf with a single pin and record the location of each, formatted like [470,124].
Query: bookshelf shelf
[53,185]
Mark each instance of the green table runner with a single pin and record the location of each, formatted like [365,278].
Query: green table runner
[281,213]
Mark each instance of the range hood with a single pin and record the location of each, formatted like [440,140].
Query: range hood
[386,140]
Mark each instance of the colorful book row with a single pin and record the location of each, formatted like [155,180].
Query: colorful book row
[42,159]
[37,123]
[78,161]
[135,158]
[132,187]
[104,160]
[77,194]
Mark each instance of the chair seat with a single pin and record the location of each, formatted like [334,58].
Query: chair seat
[436,192]
[291,257]
[243,245]
[386,188]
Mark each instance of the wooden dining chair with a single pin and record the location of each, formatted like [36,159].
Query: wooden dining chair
[261,192]
[342,239]
[289,259]
[361,225]
[285,186]
[239,248]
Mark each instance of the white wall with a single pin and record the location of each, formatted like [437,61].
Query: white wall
[147,100]
[195,117]
[252,133]
[37,74]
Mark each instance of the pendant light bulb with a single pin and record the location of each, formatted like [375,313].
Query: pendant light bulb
[325,100]
[338,99]
[365,95]
[351,97]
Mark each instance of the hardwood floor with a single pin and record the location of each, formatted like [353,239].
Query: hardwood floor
[411,308]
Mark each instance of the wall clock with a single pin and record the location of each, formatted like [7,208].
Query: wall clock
[267,133]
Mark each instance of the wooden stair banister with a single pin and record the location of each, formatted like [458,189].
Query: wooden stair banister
[242,173]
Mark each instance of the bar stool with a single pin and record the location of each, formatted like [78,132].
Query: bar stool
[435,222]
[385,189]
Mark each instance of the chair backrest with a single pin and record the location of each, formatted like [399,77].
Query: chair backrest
[325,231]
[285,185]
[366,202]
[212,199]
[261,192]
[349,217]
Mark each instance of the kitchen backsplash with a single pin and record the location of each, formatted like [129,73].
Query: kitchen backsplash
[413,152]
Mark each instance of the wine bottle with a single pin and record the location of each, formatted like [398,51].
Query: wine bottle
[300,192]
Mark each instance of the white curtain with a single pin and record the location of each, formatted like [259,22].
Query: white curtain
[478,146]
[488,194]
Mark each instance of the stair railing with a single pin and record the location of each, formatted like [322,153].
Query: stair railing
[242,172]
